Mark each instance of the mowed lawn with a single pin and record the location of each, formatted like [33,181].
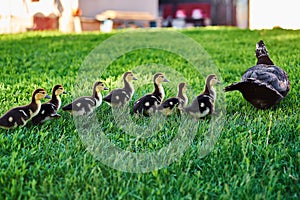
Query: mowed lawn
[256,156]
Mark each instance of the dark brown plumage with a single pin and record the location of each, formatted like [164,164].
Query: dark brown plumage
[204,103]
[87,104]
[121,96]
[19,116]
[264,84]
[49,109]
[142,105]
[174,103]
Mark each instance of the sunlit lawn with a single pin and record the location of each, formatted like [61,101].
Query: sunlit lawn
[256,156]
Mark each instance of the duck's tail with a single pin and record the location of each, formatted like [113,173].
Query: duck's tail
[232,87]
[67,107]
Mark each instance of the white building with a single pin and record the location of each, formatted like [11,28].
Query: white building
[20,15]
[91,8]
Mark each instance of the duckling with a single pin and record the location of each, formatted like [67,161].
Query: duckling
[142,105]
[178,102]
[263,85]
[19,116]
[121,96]
[49,109]
[204,103]
[87,104]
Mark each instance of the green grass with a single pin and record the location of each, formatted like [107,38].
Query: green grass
[256,156]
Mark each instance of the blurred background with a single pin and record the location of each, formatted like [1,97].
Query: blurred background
[107,15]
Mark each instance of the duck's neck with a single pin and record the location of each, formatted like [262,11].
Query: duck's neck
[159,91]
[265,59]
[182,96]
[128,86]
[55,99]
[210,90]
[35,104]
[97,95]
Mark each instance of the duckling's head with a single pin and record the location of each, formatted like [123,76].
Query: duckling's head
[159,78]
[182,87]
[40,93]
[99,86]
[58,90]
[129,76]
[212,80]
[261,49]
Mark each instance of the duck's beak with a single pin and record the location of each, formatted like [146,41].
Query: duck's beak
[64,92]
[166,80]
[218,82]
[134,78]
[105,88]
[47,97]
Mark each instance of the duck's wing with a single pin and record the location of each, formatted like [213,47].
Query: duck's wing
[170,103]
[47,110]
[145,103]
[259,94]
[117,97]
[270,75]
[81,104]
[15,116]
[199,104]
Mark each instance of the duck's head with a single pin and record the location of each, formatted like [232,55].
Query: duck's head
[129,76]
[261,49]
[212,80]
[159,78]
[40,93]
[99,86]
[182,87]
[58,90]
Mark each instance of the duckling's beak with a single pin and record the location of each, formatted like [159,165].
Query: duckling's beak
[64,92]
[218,82]
[134,78]
[47,97]
[105,88]
[166,80]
